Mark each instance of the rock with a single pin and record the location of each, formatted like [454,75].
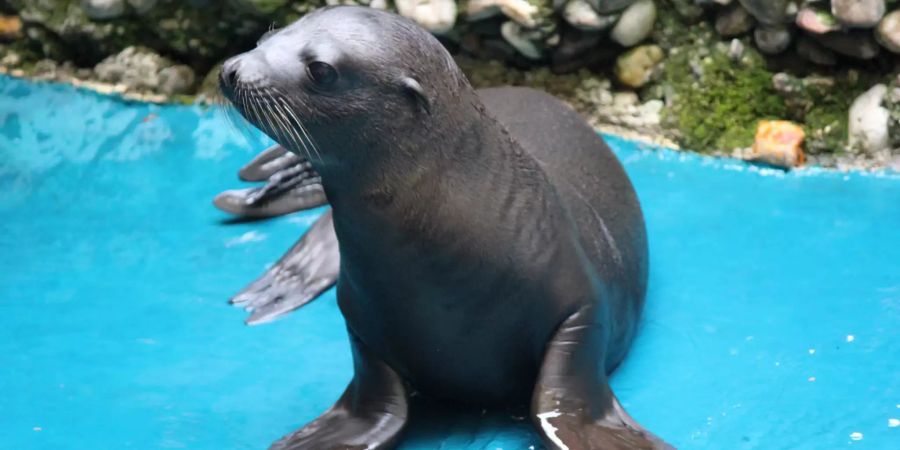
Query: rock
[772,39]
[854,43]
[635,24]
[580,14]
[103,9]
[888,31]
[858,13]
[141,69]
[610,6]
[770,12]
[734,21]
[816,21]
[523,12]
[815,53]
[635,67]
[688,9]
[178,79]
[517,37]
[579,49]
[436,16]
[779,143]
[868,122]
[142,6]
[10,28]
[735,50]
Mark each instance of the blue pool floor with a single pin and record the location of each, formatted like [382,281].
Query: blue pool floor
[772,320]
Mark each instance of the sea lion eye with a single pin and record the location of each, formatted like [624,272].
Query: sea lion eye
[321,73]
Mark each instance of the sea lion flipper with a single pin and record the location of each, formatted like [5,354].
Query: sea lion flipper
[370,414]
[309,268]
[573,406]
[296,188]
[269,161]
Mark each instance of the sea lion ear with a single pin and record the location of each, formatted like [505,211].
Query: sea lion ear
[412,88]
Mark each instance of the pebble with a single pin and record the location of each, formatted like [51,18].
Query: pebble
[868,121]
[142,6]
[734,21]
[858,13]
[772,39]
[436,16]
[779,143]
[855,43]
[770,12]
[580,14]
[103,9]
[888,31]
[10,27]
[816,21]
[635,67]
[635,24]
[521,11]
[514,34]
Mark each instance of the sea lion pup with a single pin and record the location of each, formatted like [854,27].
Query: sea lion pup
[492,249]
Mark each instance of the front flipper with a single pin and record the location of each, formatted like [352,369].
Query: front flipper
[369,415]
[269,161]
[573,406]
[293,188]
[309,268]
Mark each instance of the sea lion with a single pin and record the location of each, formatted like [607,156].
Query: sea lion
[492,249]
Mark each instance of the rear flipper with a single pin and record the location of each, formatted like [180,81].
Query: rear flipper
[291,185]
[307,270]
[572,406]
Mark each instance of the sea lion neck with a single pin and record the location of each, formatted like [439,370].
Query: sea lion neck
[412,159]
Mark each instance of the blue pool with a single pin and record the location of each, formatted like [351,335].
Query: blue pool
[773,317]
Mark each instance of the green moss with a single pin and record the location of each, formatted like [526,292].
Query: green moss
[720,110]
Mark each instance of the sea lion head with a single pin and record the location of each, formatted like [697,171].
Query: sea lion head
[341,80]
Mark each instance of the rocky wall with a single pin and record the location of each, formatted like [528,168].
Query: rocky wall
[700,73]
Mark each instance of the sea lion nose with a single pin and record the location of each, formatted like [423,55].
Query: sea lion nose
[229,75]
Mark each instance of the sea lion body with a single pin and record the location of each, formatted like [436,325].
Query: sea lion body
[491,247]
[512,246]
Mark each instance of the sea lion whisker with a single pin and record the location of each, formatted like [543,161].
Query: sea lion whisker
[302,127]
[277,106]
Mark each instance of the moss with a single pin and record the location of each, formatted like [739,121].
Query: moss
[720,110]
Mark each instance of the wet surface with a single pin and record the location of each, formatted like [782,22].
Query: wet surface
[773,317]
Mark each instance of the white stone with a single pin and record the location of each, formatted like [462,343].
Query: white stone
[512,32]
[521,11]
[581,15]
[103,9]
[436,16]
[635,24]
[868,126]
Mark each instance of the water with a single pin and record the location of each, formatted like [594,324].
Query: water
[773,317]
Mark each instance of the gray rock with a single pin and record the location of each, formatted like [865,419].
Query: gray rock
[635,24]
[770,12]
[868,122]
[772,39]
[178,79]
[734,21]
[580,14]
[610,6]
[141,69]
[519,39]
[735,50]
[858,13]
[855,43]
[688,9]
[103,9]
[888,31]
[142,6]
[814,52]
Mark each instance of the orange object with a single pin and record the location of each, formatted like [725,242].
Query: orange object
[779,142]
[10,27]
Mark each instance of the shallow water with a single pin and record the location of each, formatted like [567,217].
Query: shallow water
[773,317]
